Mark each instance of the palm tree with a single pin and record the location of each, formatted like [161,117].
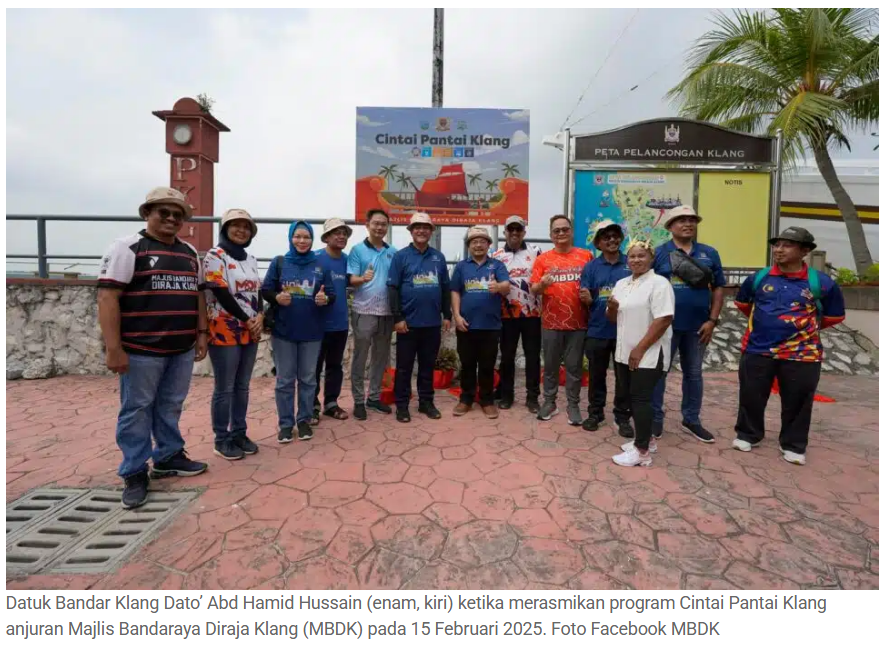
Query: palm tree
[510,170]
[474,179]
[811,72]
[491,185]
[388,172]
[404,181]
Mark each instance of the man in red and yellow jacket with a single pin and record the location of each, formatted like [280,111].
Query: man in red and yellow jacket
[787,306]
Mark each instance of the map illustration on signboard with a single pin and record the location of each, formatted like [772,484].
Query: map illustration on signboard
[637,201]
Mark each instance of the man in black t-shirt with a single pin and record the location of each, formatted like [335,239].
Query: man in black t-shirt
[153,319]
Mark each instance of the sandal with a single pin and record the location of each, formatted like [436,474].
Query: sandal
[336,412]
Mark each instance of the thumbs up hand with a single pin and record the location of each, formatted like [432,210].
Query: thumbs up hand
[321,298]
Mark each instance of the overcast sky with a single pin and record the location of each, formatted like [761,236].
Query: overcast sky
[81,86]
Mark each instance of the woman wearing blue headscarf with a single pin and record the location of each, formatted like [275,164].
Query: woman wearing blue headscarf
[300,291]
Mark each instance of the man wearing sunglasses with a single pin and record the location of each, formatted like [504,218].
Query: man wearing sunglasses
[154,322]
[555,278]
[521,317]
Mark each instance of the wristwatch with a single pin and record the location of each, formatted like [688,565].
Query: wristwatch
[716,321]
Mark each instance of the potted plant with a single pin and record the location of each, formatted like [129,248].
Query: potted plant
[446,364]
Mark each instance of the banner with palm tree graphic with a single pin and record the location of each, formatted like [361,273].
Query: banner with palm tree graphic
[462,166]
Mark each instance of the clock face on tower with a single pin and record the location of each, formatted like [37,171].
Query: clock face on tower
[182,134]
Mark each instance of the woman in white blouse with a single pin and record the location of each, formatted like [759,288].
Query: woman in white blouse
[642,306]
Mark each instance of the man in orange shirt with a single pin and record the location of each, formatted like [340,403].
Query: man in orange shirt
[555,278]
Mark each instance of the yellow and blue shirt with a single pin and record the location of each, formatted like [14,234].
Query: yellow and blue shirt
[783,319]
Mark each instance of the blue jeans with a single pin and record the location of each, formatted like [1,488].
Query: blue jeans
[232,366]
[686,344]
[152,395]
[295,361]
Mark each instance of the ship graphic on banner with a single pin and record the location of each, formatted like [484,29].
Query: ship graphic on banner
[461,166]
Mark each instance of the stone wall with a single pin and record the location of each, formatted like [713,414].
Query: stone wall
[52,329]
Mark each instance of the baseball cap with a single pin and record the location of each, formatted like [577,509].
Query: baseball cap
[515,219]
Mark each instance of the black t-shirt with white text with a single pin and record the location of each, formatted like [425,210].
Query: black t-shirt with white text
[159,306]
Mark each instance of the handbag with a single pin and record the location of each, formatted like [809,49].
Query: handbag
[270,310]
[696,275]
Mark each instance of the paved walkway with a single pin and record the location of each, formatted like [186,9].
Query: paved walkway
[469,503]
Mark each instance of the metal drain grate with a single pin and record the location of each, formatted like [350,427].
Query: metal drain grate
[35,506]
[91,533]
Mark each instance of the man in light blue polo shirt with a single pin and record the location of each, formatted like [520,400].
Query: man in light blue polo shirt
[368,267]
[697,313]
[596,285]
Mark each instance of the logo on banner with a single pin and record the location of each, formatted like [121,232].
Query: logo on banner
[672,134]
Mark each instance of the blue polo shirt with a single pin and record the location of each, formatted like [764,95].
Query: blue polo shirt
[481,309]
[692,305]
[783,320]
[371,298]
[337,314]
[302,320]
[421,278]
[599,277]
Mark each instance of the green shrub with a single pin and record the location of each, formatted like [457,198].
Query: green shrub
[872,274]
[845,276]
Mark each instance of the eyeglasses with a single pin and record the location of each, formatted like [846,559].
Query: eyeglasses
[165,213]
[563,230]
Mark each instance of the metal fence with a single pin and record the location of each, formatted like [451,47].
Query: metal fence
[733,275]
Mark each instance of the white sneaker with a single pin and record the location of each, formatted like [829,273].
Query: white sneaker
[793,457]
[633,458]
[630,445]
[742,445]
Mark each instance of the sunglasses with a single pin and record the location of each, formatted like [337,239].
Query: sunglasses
[515,229]
[561,231]
[610,236]
[165,213]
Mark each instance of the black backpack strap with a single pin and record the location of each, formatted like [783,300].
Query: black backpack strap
[279,260]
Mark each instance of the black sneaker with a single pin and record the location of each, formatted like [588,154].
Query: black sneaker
[592,423]
[135,492]
[304,432]
[285,435]
[505,403]
[429,409]
[376,405]
[533,405]
[626,430]
[245,444]
[179,465]
[228,450]
[656,430]
[698,431]
[317,413]
[403,415]
[359,412]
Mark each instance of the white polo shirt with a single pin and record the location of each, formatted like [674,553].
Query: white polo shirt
[641,301]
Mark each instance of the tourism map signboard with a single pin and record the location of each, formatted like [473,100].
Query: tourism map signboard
[461,166]
[634,174]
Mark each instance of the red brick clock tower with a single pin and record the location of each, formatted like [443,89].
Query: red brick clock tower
[192,141]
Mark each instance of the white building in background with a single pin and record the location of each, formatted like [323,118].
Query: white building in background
[807,202]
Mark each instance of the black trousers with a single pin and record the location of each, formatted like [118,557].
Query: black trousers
[419,344]
[797,388]
[638,385]
[531,332]
[477,350]
[331,359]
[599,352]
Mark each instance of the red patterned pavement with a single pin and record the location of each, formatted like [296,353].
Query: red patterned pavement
[468,503]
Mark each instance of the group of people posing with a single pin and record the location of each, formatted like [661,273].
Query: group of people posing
[161,309]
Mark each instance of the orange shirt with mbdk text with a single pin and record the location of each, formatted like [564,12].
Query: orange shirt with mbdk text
[561,308]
